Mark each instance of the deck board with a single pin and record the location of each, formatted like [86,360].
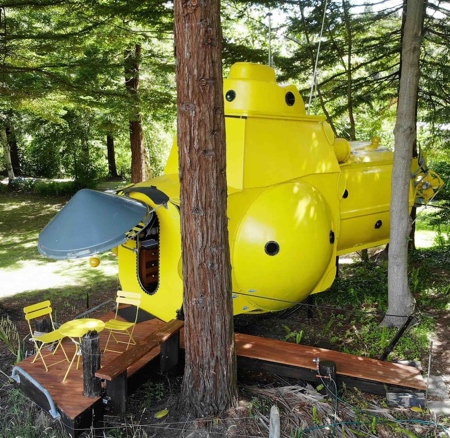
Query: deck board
[297,355]
[69,398]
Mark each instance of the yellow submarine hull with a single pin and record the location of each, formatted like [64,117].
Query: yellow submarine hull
[297,198]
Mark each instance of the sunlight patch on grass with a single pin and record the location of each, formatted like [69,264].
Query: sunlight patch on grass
[425,238]
[43,274]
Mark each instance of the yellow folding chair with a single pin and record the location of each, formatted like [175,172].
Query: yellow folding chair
[41,340]
[122,331]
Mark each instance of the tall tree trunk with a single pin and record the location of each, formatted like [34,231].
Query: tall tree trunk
[348,27]
[138,154]
[401,301]
[7,154]
[112,169]
[209,384]
[415,152]
[14,150]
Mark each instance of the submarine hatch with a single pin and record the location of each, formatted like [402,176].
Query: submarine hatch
[148,257]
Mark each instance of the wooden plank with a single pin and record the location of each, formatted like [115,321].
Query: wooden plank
[68,396]
[302,356]
[117,366]
[278,356]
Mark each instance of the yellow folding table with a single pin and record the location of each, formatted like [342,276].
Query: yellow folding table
[75,330]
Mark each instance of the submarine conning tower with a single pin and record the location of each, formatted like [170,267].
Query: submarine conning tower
[270,138]
[253,89]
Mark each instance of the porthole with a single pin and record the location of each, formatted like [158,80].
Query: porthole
[230,95]
[290,98]
[332,237]
[378,224]
[272,248]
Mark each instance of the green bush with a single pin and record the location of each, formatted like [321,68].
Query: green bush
[21,184]
[48,188]
[441,217]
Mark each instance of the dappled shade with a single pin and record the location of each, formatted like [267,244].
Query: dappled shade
[90,223]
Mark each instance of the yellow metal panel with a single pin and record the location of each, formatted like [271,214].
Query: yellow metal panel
[283,150]
[298,197]
[168,298]
[285,230]
[235,129]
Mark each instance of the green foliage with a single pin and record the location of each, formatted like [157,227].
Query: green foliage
[61,188]
[48,188]
[24,419]
[11,337]
[292,334]
[439,218]
[20,184]
[261,405]
[155,391]
[350,313]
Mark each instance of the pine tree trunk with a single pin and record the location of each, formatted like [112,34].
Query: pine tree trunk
[401,301]
[209,384]
[351,117]
[112,169]
[7,154]
[14,150]
[138,154]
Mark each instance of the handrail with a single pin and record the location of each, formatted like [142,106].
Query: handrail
[15,376]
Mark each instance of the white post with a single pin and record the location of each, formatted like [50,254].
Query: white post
[274,424]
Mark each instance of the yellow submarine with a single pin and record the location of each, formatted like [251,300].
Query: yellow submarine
[298,197]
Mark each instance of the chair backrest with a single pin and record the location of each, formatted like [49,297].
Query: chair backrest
[124,297]
[132,298]
[38,310]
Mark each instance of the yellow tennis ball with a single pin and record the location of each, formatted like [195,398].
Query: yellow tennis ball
[94,261]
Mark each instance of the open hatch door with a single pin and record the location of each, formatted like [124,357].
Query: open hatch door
[93,222]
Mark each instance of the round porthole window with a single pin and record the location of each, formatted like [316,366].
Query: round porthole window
[378,224]
[230,95]
[332,237]
[272,248]
[289,98]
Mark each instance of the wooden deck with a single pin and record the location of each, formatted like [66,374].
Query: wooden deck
[284,358]
[74,407]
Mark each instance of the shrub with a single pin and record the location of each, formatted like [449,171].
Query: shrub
[47,188]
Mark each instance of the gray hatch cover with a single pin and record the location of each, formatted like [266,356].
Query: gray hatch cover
[92,222]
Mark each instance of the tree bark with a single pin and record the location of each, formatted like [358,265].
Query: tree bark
[14,150]
[138,154]
[112,169]
[401,301]
[7,154]
[209,384]
[349,69]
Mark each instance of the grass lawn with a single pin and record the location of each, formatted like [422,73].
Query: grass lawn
[346,317]
[24,269]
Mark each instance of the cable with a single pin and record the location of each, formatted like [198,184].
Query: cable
[314,81]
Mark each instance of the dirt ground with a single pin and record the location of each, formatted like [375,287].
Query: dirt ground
[163,392]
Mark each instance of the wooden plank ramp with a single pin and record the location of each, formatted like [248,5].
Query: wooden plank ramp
[288,354]
[279,357]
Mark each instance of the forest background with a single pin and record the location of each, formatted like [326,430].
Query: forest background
[88,88]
